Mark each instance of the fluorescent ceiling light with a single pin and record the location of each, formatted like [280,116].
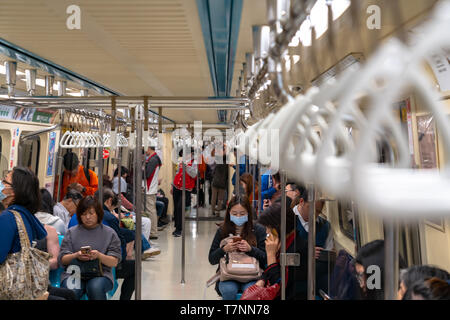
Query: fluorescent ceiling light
[319,17]
[40,82]
[75,94]
[339,7]
[305,33]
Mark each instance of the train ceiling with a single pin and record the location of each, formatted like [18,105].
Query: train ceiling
[136,47]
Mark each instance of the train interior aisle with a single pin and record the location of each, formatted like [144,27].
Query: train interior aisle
[161,274]
[319,128]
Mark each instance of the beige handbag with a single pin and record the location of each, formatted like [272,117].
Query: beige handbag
[25,274]
[238,266]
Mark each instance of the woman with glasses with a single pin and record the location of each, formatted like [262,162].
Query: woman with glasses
[19,192]
[93,248]
[238,222]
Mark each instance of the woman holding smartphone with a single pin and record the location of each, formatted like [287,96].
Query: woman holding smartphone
[248,238]
[88,241]
[271,220]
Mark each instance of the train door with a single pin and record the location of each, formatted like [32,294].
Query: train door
[29,151]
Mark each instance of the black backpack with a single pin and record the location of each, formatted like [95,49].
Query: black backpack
[88,176]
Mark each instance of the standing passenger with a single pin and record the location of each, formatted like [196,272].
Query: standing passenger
[83,179]
[152,166]
[177,190]
[219,184]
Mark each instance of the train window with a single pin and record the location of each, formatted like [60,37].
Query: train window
[29,150]
[346,219]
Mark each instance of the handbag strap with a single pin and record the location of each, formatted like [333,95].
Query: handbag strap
[23,235]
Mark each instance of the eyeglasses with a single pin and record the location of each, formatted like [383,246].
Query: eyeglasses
[360,276]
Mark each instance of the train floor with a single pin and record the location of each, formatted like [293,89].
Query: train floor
[161,274]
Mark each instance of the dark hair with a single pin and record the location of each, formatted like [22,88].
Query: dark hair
[108,194]
[73,194]
[87,203]
[107,182]
[430,289]
[421,273]
[372,253]
[303,193]
[46,201]
[123,171]
[26,189]
[276,177]
[228,227]
[271,217]
[247,178]
[152,148]
[71,161]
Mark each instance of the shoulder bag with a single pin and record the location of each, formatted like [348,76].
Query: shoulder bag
[25,274]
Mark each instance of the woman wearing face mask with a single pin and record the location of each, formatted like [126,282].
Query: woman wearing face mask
[19,191]
[239,222]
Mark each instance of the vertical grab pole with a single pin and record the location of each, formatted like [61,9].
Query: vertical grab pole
[391,259]
[198,190]
[183,212]
[283,235]
[133,128]
[237,176]
[253,181]
[311,243]
[59,160]
[138,192]
[100,162]
[259,189]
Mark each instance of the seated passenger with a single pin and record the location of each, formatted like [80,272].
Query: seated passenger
[419,273]
[104,245]
[68,206]
[19,192]
[324,243]
[45,213]
[372,254]
[271,220]
[430,289]
[238,221]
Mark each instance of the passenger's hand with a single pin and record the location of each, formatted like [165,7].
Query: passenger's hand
[94,254]
[318,250]
[244,246]
[267,203]
[260,283]
[83,257]
[272,245]
[230,246]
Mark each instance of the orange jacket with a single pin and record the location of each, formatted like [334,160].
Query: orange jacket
[80,178]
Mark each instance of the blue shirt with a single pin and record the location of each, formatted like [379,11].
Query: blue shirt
[9,234]
[267,189]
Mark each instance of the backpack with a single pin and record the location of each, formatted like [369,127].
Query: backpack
[86,173]
[238,266]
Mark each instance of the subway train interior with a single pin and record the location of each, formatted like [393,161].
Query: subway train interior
[340,107]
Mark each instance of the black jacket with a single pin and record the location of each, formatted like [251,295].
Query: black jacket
[220,175]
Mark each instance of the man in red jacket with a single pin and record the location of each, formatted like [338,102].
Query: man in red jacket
[177,190]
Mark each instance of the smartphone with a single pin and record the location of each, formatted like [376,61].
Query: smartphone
[274,232]
[237,239]
[324,295]
[85,249]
